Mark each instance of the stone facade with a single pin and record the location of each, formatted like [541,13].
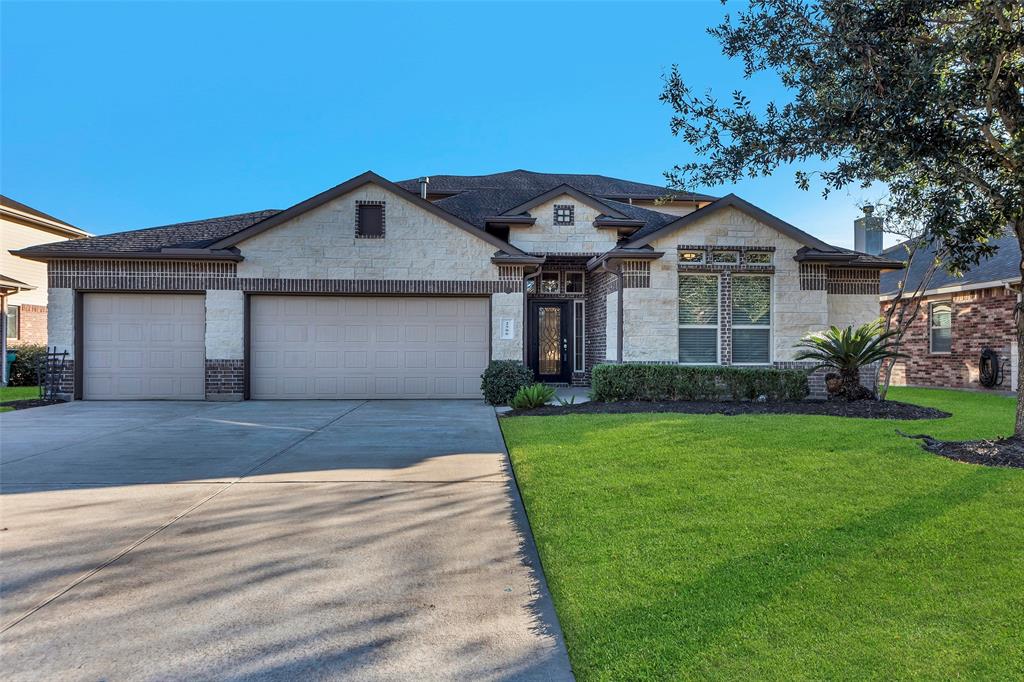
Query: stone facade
[546,237]
[321,244]
[980,319]
[318,252]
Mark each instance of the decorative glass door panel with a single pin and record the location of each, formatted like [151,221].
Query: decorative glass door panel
[550,342]
[549,329]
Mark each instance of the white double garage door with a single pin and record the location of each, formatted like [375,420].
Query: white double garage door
[152,346]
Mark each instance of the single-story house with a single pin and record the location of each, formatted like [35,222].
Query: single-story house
[957,319]
[381,289]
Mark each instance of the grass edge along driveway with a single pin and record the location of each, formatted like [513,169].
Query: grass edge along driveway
[777,547]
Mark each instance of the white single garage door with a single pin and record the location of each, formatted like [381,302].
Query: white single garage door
[143,346]
[368,347]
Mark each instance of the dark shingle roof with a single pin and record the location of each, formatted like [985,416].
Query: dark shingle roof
[1003,265]
[196,234]
[533,184]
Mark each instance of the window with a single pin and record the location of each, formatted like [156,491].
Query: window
[698,319]
[13,322]
[574,282]
[578,322]
[564,214]
[531,285]
[636,274]
[550,282]
[759,257]
[725,257]
[941,322]
[751,320]
[691,257]
[370,219]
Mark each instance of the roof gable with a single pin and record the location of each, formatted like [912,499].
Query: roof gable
[348,186]
[566,190]
[646,236]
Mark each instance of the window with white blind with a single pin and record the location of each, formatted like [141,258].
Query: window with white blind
[751,319]
[698,319]
[941,324]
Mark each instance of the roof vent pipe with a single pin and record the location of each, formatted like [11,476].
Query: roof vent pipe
[424,181]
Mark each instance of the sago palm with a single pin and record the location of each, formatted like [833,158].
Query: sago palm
[847,350]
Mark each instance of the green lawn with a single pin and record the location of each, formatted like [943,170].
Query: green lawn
[778,547]
[18,393]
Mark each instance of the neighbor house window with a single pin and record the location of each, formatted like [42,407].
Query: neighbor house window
[579,322]
[725,257]
[698,319]
[550,282]
[759,257]
[941,321]
[574,282]
[691,257]
[751,320]
[564,214]
[13,322]
[370,219]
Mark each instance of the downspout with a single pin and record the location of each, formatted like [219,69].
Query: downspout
[526,312]
[617,273]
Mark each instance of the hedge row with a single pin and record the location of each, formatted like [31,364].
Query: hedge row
[27,359]
[627,381]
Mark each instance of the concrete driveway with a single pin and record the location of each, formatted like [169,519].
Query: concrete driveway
[281,540]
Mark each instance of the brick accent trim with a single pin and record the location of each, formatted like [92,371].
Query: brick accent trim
[225,379]
[155,276]
[31,325]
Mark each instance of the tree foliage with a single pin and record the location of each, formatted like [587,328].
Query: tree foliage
[926,96]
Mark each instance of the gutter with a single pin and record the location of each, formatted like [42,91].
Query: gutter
[1007,284]
[166,254]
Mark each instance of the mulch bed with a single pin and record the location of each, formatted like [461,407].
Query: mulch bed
[863,409]
[1002,452]
[31,402]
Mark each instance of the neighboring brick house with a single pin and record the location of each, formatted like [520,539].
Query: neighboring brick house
[375,289]
[958,318]
[23,282]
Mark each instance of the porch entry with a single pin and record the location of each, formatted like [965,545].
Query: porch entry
[550,349]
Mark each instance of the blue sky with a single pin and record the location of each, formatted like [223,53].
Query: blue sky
[125,115]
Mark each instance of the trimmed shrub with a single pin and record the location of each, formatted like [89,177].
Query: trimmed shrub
[530,397]
[502,380]
[23,369]
[627,381]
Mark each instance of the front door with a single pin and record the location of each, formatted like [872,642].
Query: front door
[550,340]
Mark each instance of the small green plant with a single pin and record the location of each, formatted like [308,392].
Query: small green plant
[566,402]
[502,379]
[530,397]
[28,359]
[846,351]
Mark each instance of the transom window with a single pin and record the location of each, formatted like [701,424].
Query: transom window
[751,319]
[691,257]
[574,282]
[564,214]
[941,327]
[550,282]
[725,257]
[698,319]
[759,257]
[369,219]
